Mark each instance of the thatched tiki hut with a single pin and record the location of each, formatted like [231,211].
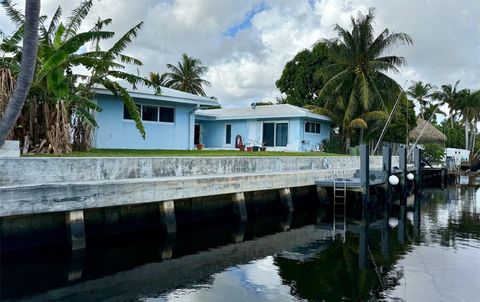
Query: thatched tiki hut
[429,135]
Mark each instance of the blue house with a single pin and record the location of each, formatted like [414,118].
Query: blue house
[169,120]
[278,127]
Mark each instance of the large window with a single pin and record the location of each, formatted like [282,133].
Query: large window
[153,113]
[149,113]
[312,127]
[228,134]
[275,134]
[126,114]
[167,114]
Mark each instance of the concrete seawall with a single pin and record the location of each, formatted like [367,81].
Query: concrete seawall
[40,185]
[16,171]
[39,195]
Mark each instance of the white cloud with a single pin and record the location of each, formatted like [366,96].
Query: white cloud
[245,66]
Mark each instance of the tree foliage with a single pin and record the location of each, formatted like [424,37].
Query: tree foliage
[357,92]
[187,76]
[297,80]
[421,93]
[57,92]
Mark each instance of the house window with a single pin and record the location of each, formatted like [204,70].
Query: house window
[275,134]
[167,114]
[228,134]
[307,127]
[312,127]
[149,113]
[152,113]
[126,114]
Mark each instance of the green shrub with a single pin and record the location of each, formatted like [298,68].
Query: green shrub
[433,153]
[333,145]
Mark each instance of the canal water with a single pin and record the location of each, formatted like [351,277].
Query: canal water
[428,252]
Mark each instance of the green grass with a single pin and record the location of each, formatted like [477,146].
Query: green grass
[153,153]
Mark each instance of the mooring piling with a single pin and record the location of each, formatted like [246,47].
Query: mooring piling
[239,205]
[417,155]
[286,199]
[75,229]
[403,180]
[387,170]
[364,176]
[167,214]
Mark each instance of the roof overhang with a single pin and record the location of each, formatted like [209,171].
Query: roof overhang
[213,117]
[175,99]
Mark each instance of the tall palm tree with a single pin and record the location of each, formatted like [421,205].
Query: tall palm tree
[158,80]
[357,83]
[420,92]
[468,108]
[29,55]
[186,76]
[450,95]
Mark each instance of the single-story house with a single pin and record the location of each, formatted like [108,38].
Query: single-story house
[169,119]
[278,127]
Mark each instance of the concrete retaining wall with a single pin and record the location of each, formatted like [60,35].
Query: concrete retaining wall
[10,149]
[16,171]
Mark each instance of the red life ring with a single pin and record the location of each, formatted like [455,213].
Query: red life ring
[238,141]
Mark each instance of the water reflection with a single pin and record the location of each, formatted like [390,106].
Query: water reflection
[424,249]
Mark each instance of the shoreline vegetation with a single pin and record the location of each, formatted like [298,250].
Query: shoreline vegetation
[173,153]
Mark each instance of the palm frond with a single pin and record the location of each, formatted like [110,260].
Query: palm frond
[53,23]
[130,60]
[123,94]
[76,18]
[376,115]
[15,15]
[123,42]
[358,123]
[86,116]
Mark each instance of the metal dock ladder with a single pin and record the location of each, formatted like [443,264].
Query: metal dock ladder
[340,205]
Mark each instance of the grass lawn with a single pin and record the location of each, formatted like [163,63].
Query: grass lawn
[153,153]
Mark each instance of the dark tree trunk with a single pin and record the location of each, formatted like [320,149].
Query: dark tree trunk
[29,55]
[347,143]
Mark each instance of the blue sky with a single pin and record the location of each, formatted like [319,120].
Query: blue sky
[247,21]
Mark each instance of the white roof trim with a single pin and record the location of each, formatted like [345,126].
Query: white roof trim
[260,112]
[182,97]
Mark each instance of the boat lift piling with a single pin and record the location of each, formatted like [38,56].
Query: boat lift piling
[365,178]
[402,152]
[387,170]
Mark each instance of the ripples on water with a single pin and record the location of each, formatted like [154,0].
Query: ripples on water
[430,255]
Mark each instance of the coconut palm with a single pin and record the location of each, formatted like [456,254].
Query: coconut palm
[468,108]
[186,76]
[421,93]
[357,83]
[449,95]
[158,80]
[25,77]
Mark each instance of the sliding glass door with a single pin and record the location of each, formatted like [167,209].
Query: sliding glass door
[275,134]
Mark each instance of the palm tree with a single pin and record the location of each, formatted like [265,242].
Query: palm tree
[357,83]
[449,95]
[29,55]
[468,107]
[420,92]
[158,80]
[59,94]
[186,76]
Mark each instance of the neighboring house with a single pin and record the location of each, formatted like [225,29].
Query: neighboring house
[278,127]
[168,119]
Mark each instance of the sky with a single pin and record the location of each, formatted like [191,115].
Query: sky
[246,43]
